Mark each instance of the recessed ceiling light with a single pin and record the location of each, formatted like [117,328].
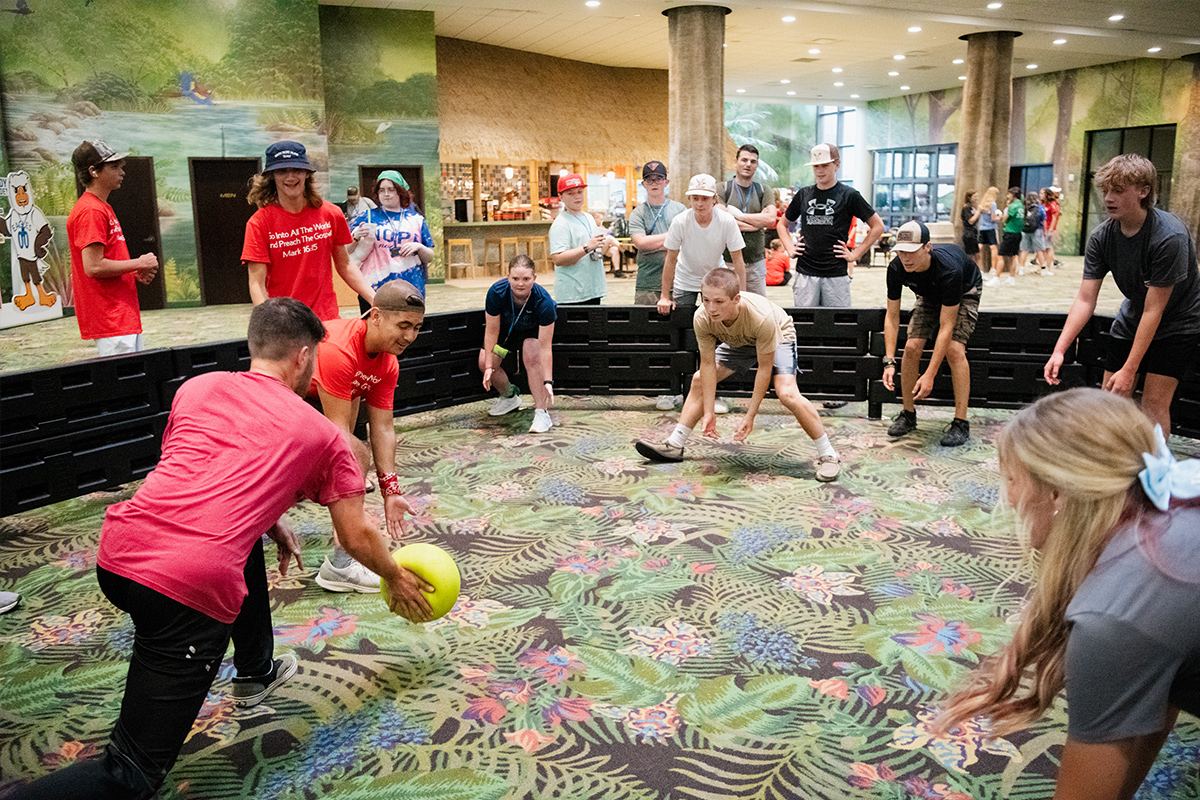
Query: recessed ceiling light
[853,97]
[962,77]
[898,57]
[1060,41]
[1031,66]
[741,91]
[592,3]
[838,83]
[957,61]
[1116,18]
[791,94]
[1154,49]
[785,80]
[837,69]
[789,19]
[814,52]
[994,6]
[893,74]
[915,29]
[904,88]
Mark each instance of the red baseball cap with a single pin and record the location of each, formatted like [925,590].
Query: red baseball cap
[570,181]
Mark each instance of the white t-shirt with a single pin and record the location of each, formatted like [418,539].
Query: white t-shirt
[700,249]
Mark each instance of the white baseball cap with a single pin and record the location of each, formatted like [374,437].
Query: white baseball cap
[823,154]
[911,236]
[702,184]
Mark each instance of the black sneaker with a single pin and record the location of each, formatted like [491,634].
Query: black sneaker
[662,452]
[835,403]
[249,692]
[905,422]
[957,433]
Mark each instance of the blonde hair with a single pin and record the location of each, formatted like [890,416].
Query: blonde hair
[1129,169]
[1084,447]
[989,197]
[263,191]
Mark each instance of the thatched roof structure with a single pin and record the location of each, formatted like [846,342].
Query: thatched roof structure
[502,105]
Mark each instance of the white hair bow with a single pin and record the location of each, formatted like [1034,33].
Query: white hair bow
[1164,477]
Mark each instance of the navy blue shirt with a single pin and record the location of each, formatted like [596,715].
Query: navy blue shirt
[951,274]
[519,322]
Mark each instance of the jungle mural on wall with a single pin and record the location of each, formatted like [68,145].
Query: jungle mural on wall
[784,134]
[171,80]
[1052,114]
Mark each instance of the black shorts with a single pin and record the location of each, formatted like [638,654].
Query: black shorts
[1010,243]
[988,236]
[1171,357]
[970,246]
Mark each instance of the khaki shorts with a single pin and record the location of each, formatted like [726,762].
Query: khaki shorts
[926,317]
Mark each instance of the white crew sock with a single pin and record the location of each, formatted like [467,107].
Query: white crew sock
[824,448]
[679,436]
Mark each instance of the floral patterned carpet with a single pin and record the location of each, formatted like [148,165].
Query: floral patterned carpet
[721,628]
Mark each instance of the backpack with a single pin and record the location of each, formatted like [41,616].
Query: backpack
[1033,219]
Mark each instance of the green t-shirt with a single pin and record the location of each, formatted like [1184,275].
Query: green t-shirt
[1014,220]
[648,220]
[751,200]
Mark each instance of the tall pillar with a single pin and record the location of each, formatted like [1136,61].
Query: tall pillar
[696,85]
[1185,191]
[983,150]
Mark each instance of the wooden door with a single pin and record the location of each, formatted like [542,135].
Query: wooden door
[220,212]
[136,207]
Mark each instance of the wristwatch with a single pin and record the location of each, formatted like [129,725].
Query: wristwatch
[889,362]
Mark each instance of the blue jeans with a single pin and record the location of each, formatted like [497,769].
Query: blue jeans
[177,651]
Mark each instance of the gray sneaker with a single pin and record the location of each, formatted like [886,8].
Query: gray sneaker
[249,692]
[665,402]
[353,577]
[828,468]
[721,406]
[8,601]
[503,405]
[904,423]
[664,451]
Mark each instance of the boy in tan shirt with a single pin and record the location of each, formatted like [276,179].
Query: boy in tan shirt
[738,331]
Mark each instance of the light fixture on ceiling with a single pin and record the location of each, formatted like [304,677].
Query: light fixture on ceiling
[785,80]
[508,173]
[853,97]
[791,94]
[1116,18]
[1031,66]
[915,29]
[725,45]
[610,175]
[962,77]
[1154,49]
[893,74]
[898,57]
[562,173]
[838,83]
[837,69]
[592,3]
[994,6]
[957,61]
[813,51]
[1060,41]
[905,88]
[789,19]
[741,91]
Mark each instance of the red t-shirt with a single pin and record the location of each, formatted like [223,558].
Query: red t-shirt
[298,252]
[240,449]
[104,307]
[777,266]
[345,371]
[1053,212]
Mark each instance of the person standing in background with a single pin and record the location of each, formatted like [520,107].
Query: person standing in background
[752,204]
[576,247]
[970,227]
[988,215]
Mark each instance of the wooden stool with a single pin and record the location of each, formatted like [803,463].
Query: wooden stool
[542,259]
[493,265]
[464,266]
[506,243]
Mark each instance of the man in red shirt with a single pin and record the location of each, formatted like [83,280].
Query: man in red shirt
[102,273]
[184,556]
[357,360]
[295,235]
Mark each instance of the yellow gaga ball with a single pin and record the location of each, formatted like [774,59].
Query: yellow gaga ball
[435,566]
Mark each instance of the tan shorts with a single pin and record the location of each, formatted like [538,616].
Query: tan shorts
[926,317]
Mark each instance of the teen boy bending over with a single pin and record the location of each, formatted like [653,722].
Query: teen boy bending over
[947,284]
[738,331]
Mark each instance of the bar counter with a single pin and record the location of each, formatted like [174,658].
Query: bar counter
[479,232]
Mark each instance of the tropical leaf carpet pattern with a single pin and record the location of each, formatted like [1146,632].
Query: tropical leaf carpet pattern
[721,628]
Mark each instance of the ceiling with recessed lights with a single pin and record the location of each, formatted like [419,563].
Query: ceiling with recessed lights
[856,43]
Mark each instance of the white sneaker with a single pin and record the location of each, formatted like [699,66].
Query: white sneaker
[541,421]
[8,601]
[992,281]
[666,402]
[720,407]
[1010,281]
[503,405]
[1049,272]
[354,577]
[1020,270]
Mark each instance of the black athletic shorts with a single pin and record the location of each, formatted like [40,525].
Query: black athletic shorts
[1010,243]
[987,236]
[1172,357]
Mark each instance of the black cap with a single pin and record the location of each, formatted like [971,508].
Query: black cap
[654,168]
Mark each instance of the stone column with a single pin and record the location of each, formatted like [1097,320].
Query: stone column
[1185,189]
[983,150]
[696,85]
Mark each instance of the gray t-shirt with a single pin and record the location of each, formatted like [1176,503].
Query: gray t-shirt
[648,220]
[1160,254]
[751,200]
[1134,645]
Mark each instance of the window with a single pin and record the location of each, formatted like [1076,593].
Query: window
[838,125]
[1155,142]
[915,183]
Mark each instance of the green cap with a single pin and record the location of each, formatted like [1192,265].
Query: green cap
[393,176]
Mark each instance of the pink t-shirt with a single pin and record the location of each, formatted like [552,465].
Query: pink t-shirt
[240,449]
[345,371]
[104,307]
[298,251]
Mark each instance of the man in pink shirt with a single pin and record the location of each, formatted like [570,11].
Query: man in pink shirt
[184,557]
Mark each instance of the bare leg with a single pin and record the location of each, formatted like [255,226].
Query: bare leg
[693,404]
[910,370]
[531,351]
[500,381]
[804,411]
[1157,393]
[960,375]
